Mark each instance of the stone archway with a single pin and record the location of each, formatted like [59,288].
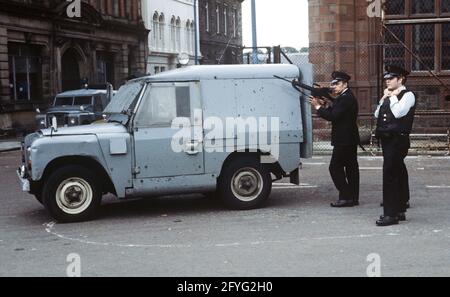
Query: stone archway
[70,70]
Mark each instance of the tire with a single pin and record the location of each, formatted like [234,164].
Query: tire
[38,198]
[245,183]
[79,182]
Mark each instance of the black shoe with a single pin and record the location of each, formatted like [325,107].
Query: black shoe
[356,203]
[343,203]
[381,204]
[387,221]
[401,217]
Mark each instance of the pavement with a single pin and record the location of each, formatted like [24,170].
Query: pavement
[296,234]
[7,145]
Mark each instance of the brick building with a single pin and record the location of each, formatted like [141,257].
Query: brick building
[220,31]
[44,50]
[344,37]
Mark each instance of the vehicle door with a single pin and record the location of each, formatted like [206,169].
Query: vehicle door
[161,149]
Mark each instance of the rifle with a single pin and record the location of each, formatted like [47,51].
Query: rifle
[318,92]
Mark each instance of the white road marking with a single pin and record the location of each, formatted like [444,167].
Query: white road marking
[371,168]
[289,184]
[438,187]
[49,228]
[315,164]
[294,187]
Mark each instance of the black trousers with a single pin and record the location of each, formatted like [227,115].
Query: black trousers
[395,174]
[344,170]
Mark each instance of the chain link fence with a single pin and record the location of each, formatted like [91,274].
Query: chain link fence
[414,48]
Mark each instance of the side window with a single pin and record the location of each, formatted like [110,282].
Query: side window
[98,105]
[162,104]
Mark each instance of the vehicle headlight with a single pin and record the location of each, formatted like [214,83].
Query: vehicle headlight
[73,121]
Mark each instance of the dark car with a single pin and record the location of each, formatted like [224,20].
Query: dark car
[73,108]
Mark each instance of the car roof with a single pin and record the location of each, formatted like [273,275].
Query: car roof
[213,72]
[81,92]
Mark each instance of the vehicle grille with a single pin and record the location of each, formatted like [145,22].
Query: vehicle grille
[61,119]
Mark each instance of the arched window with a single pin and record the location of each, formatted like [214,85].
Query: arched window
[225,20]
[207,16]
[162,31]
[234,22]
[178,34]
[218,18]
[155,30]
[193,37]
[173,34]
[188,36]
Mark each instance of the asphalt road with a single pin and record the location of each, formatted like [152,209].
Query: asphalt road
[296,234]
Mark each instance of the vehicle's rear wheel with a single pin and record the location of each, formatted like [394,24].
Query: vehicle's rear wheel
[72,194]
[245,183]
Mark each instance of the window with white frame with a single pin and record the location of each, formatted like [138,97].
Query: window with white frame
[207,16]
[188,36]
[234,22]
[178,34]
[162,30]
[173,33]
[218,18]
[193,37]
[225,20]
[155,30]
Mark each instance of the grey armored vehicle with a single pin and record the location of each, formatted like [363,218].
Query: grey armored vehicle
[229,129]
[73,108]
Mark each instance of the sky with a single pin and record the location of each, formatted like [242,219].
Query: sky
[279,22]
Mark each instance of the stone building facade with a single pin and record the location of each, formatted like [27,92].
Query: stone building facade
[220,31]
[46,48]
[344,37]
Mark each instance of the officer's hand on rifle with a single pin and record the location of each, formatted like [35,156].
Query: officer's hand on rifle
[316,102]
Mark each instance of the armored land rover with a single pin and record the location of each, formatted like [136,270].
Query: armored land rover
[232,130]
[73,108]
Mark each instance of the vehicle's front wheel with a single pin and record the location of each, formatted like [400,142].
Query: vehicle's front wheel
[245,183]
[72,194]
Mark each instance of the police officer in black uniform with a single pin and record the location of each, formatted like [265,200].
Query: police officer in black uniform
[395,116]
[343,114]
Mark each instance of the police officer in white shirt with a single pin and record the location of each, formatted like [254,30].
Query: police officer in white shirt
[395,116]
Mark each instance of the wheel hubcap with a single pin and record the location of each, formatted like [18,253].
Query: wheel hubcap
[74,195]
[247,184]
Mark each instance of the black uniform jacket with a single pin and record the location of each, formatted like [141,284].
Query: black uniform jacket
[343,115]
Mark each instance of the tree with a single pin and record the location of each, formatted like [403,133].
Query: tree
[289,50]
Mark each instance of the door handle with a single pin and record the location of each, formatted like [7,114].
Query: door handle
[192,148]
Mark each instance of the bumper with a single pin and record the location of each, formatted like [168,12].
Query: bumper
[24,182]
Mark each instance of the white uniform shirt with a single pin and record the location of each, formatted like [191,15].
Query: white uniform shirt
[399,108]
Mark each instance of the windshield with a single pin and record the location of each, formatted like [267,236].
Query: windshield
[60,101]
[85,100]
[123,101]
